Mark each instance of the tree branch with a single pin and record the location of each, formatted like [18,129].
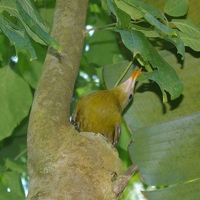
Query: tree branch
[62,163]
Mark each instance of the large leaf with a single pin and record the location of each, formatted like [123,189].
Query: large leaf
[168,148]
[163,73]
[166,153]
[15,100]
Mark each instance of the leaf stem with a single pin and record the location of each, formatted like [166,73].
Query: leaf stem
[20,154]
[100,28]
[124,72]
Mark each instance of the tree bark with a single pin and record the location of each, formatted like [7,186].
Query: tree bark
[62,163]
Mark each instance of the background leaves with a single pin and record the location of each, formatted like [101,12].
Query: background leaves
[33,25]
[147,117]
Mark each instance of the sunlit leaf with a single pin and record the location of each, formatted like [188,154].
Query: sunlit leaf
[176,8]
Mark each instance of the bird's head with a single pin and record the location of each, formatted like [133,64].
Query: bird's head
[124,92]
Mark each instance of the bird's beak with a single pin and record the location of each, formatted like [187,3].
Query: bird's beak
[136,74]
[129,84]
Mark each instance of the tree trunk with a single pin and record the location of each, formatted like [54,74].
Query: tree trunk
[62,163]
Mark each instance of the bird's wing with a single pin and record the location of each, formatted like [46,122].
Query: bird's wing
[116,135]
[74,120]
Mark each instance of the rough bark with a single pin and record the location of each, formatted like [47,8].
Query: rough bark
[62,163]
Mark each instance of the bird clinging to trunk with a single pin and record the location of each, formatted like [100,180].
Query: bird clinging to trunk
[100,112]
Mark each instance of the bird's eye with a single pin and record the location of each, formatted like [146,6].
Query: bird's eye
[130,96]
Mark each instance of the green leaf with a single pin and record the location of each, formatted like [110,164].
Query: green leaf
[187,26]
[170,34]
[15,146]
[2,170]
[192,42]
[32,72]
[17,36]
[186,191]
[153,21]
[147,31]
[5,195]
[178,43]
[4,50]
[157,149]
[103,42]
[37,28]
[163,73]
[11,7]
[189,32]
[147,108]
[15,98]
[12,180]
[123,19]
[137,9]
[32,22]
[16,166]
[113,72]
[133,12]
[176,40]
[176,8]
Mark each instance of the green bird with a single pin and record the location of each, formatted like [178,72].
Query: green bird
[100,112]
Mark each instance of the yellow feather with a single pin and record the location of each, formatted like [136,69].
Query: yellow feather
[100,112]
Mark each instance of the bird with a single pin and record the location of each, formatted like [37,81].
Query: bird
[101,111]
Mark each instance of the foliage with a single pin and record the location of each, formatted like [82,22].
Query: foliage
[33,26]
[19,79]
[123,31]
